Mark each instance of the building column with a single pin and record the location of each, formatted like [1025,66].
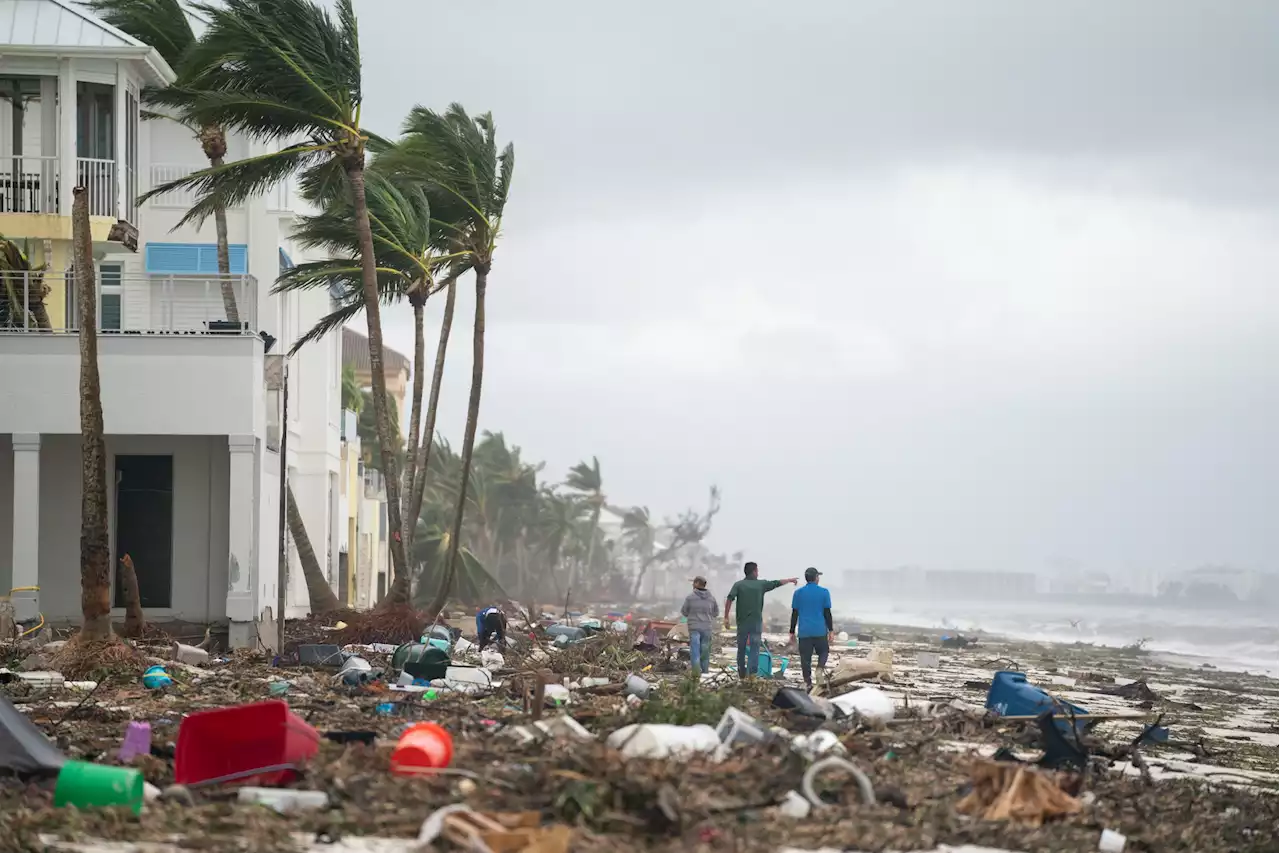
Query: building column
[121,140]
[66,135]
[26,526]
[242,565]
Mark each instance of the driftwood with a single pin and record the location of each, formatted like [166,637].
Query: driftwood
[1006,791]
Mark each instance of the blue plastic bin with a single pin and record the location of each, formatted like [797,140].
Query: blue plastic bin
[1011,695]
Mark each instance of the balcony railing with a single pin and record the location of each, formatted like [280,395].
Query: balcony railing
[28,184]
[98,177]
[163,173]
[131,304]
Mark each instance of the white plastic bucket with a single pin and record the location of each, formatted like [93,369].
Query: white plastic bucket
[659,740]
[870,703]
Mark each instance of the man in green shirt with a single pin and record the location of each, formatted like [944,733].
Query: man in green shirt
[749,593]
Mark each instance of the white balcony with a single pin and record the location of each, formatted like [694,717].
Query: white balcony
[29,184]
[170,363]
[132,304]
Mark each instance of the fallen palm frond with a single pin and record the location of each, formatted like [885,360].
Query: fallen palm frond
[79,658]
[393,625]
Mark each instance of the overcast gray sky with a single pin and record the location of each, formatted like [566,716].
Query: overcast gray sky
[961,284]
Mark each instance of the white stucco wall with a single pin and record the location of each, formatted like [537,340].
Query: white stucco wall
[200,521]
[151,384]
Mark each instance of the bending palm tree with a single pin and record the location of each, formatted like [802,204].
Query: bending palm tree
[285,71]
[407,262]
[457,156]
[165,25]
[586,479]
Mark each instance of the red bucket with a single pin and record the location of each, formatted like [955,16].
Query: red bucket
[227,741]
[423,747]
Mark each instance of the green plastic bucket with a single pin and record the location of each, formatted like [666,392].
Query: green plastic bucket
[86,785]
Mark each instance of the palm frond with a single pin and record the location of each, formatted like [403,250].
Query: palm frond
[232,183]
[286,52]
[162,24]
[350,306]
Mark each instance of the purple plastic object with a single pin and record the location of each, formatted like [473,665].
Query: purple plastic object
[137,741]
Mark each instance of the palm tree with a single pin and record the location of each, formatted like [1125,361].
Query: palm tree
[320,595]
[24,289]
[585,479]
[458,158]
[352,396]
[408,259]
[166,26]
[286,71]
[95,551]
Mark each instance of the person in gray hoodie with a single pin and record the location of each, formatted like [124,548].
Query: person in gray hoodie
[701,609]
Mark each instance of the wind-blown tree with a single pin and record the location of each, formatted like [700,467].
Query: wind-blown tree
[287,73]
[408,260]
[22,300]
[690,528]
[409,256]
[457,157]
[166,26]
[95,549]
[320,595]
[585,479]
[352,393]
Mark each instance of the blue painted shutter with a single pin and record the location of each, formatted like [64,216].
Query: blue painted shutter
[194,258]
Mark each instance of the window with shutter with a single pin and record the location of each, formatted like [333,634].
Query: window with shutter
[194,258]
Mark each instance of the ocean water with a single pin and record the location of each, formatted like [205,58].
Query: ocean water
[1230,640]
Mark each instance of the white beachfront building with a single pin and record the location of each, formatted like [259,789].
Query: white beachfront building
[191,402]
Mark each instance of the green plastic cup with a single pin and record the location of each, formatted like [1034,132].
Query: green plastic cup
[86,785]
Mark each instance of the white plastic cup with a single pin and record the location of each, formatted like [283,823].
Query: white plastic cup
[1111,841]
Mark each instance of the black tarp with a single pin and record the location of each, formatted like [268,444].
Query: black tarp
[23,748]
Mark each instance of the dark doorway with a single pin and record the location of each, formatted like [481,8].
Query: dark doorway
[144,526]
[344,585]
[382,586]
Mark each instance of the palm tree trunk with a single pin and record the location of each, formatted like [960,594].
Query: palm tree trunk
[319,593]
[415,420]
[95,551]
[433,400]
[398,593]
[591,553]
[373,314]
[224,257]
[468,439]
[135,622]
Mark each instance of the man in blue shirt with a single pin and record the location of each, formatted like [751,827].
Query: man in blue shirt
[811,613]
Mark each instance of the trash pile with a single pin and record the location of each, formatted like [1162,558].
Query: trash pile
[587,736]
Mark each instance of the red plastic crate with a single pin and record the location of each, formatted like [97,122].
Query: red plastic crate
[224,741]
